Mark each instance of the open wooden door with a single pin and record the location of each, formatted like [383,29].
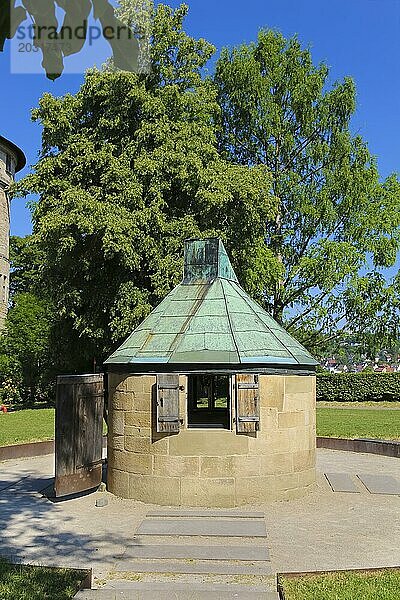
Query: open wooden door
[79,433]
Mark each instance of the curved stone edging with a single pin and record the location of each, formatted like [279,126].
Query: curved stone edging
[382,447]
[31,449]
[26,450]
[368,446]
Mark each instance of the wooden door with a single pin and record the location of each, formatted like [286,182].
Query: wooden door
[79,433]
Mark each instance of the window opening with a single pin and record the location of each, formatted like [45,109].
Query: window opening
[209,401]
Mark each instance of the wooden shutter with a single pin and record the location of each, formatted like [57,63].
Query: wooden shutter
[247,403]
[167,403]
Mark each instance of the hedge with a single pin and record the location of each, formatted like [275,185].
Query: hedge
[358,387]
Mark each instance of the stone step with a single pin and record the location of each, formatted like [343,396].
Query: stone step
[168,551]
[188,566]
[184,513]
[342,482]
[203,527]
[380,484]
[188,580]
[171,591]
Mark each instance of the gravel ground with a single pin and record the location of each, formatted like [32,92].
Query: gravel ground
[324,530]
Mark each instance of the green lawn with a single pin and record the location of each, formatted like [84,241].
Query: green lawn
[19,582]
[356,423]
[26,426]
[383,585]
[36,425]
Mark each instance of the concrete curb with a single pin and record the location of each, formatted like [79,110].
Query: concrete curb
[367,446]
[26,450]
[30,450]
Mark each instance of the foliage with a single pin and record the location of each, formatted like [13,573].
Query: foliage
[26,362]
[129,168]
[263,156]
[358,387]
[25,359]
[337,225]
[25,264]
[346,585]
[138,15]
[18,582]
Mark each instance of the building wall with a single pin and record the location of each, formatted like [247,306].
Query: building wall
[206,467]
[7,170]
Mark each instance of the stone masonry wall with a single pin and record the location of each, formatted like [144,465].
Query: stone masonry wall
[206,467]
[5,180]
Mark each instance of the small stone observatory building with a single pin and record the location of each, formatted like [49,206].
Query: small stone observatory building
[12,160]
[211,401]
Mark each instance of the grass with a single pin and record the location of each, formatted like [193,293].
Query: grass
[26,426]
[364,421]
[356,423]
[22,426]
[376,585]
[20,582]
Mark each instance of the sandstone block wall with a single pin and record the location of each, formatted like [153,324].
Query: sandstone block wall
[5,180]
[208,467]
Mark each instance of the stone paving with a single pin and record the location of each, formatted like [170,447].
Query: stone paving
[328,530]
[325,530]
[166,551]
[375,484]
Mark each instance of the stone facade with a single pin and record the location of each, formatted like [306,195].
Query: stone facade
[206,467]
[8,166]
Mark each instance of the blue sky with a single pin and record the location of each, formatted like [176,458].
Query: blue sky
[360,38]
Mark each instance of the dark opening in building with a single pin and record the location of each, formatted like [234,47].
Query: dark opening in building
[209,401]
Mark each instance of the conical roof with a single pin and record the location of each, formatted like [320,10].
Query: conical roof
[209,319]
[20,156]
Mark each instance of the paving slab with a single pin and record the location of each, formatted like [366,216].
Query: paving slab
[249,553]
[203,527]
[206,513]
[380,484]
[171,591]
[342,482]
[190,566]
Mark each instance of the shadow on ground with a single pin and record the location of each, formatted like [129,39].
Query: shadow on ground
[68,533]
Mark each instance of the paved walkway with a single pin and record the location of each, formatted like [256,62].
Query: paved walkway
[325,530]
[194,555]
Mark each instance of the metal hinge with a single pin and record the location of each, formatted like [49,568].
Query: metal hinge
[165,386]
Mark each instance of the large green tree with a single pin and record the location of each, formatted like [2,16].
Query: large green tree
[26,262]
[130,167]
[27,361]
[337,225]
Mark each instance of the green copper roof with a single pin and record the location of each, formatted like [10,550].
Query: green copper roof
[209,318]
